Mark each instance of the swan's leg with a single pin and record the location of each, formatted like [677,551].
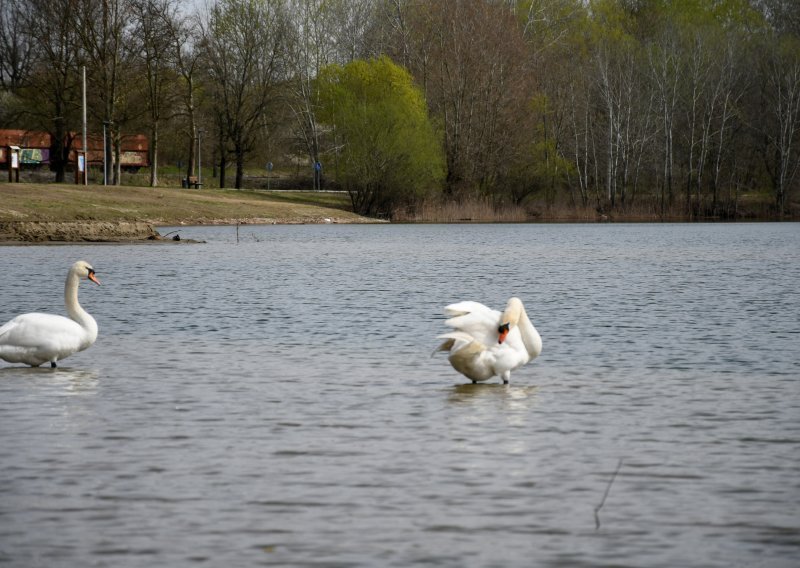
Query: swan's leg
[506,376]
[53,365]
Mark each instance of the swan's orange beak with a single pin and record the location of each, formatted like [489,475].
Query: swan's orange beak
[93,278]
[502,333]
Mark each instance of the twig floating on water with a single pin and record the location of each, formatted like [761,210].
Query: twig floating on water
[603,501]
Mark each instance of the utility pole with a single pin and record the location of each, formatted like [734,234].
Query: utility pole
[85,180]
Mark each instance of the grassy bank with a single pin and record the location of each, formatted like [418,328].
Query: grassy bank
[32,202]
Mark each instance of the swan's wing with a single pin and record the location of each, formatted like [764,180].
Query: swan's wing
[474,319]
[41,330]
[467,356]
[21,331]
[455,341]
[466,307]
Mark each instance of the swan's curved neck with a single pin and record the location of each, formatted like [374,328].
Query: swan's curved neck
[74,309]
[530,337]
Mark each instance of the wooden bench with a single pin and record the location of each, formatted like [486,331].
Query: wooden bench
[192,182]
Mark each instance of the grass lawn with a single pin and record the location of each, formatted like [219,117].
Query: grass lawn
[167,206]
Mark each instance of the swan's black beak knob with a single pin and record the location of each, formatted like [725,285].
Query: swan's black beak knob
[502,332]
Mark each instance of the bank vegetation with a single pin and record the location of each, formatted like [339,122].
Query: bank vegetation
[417,110]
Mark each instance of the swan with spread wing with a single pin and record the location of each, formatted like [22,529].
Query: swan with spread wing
[485,342]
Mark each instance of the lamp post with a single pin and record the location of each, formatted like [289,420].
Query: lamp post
[85,173]
[105,153]
[199,163]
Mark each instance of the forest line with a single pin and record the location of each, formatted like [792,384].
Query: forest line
[669,108]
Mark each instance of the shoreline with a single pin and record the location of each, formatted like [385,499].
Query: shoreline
[127,232]
[54,213]
[68,213]
[32,233]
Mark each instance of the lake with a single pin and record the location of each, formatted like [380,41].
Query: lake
[274,401]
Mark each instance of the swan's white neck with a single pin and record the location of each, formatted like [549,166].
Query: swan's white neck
[530,337]
[74,309]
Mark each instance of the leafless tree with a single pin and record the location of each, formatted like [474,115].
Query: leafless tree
[665,73]
[16,45]
[781,95]
[187,56]
[470,59]
[103,28]
[155,26]
[244,43]
[54,90]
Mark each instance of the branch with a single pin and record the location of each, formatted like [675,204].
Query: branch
[603,501]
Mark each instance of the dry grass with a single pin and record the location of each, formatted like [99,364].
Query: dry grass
[467,211]
[482,210]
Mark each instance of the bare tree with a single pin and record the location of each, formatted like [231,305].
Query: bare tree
[154,33]
[187,56]
[104,30]
[782,131]
[665,72]
[310,47]
[243,42]
[54,90]
[470,59]
[16,45]
[320,32]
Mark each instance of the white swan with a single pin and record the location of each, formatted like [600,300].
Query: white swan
[35,338]
[486,343]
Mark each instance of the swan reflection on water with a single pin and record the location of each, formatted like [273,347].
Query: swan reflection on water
[71,381]
[514,396]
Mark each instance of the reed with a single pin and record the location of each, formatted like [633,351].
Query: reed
[476,210]
[645,209]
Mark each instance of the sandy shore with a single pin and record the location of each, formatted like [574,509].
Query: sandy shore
[77,231]
[26,232]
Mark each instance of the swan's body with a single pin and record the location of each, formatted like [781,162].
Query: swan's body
[35,338]
[486,343]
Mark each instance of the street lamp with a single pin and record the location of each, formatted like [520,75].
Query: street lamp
[105,153]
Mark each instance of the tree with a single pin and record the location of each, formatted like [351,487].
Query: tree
[782,128]
[187,59]
[310,47]
[244,44]
[53,90]
[321,32]
[16,46]
[385,149]
[470,59]
[103,28]
[155,30]
[16,57]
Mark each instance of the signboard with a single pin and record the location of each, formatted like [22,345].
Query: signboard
[81,162]
[34,156]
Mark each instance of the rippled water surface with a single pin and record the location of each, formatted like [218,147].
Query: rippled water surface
[274,401]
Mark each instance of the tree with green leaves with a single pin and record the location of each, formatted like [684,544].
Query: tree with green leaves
[385,151]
